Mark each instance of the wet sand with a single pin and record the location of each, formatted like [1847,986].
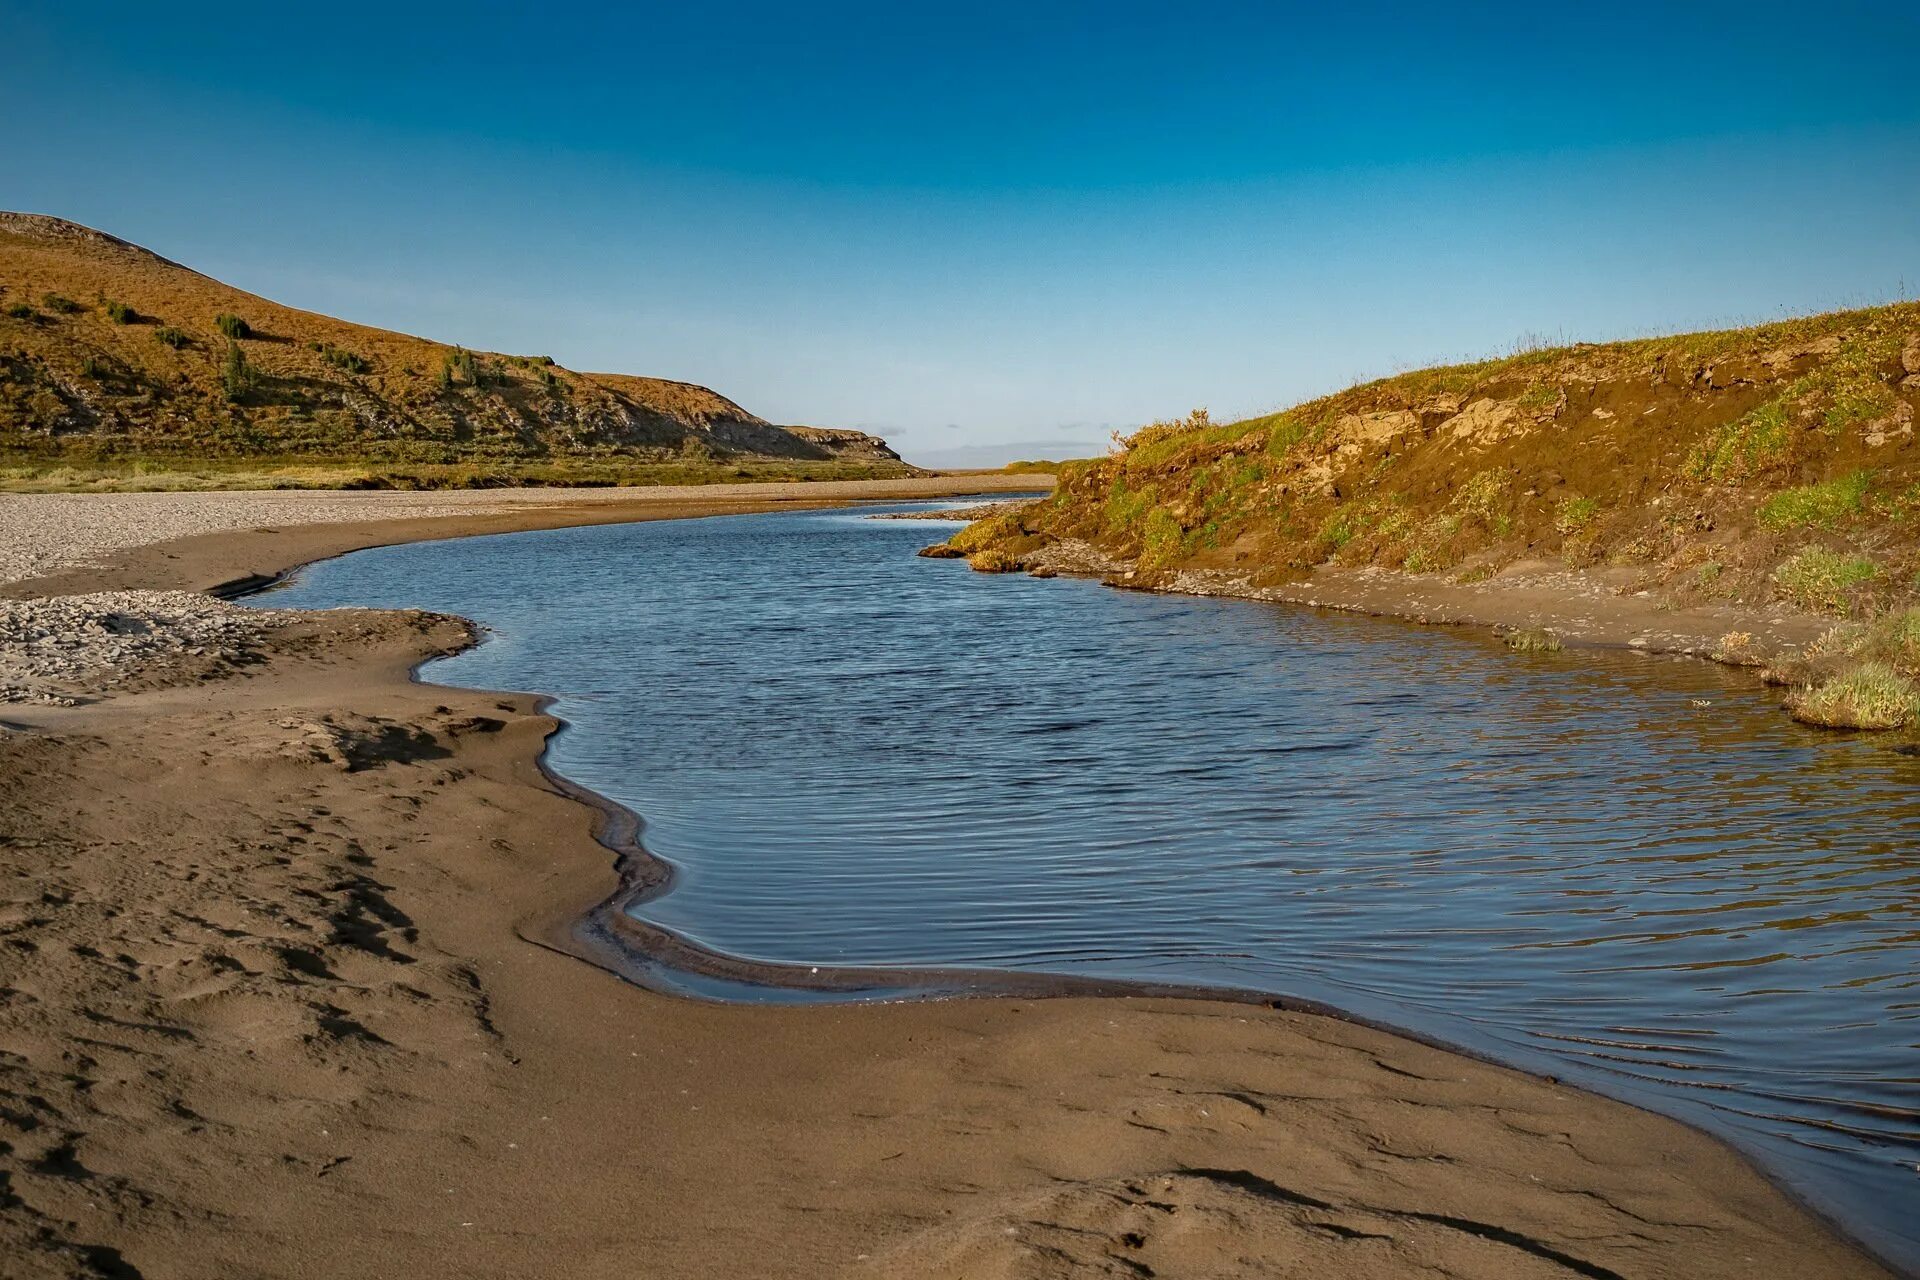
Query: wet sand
[289,992]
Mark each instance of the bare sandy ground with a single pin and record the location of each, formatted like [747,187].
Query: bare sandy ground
[281,999]
[63,542]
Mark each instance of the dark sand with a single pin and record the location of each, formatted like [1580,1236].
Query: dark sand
[282,999]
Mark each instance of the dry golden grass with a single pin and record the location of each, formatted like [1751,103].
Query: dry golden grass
[1747,466]
[1870,696]
[993,560]
[86,384]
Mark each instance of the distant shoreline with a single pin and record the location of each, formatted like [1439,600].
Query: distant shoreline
[50,545]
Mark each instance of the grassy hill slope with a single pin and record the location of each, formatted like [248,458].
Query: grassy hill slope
[113,358]
[1775,467]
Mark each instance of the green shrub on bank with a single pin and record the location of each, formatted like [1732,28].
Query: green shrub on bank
[1825,505]
[1285,430]
[121,313]
[237,376]
[1161,539]
[1429,547]
[342,359]
[459,366]
[346,361]
[1743,447]
[1538,396]
[1824,580]
[1342,525]
[1853,385]
[168,336]
[1576,514]
[21,311]
[59,304]
[232,326]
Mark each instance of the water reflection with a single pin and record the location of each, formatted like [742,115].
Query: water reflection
[861,757]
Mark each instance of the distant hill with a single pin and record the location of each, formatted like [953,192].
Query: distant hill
[109,352]
[984,457]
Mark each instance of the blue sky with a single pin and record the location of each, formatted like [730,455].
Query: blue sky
[990,226]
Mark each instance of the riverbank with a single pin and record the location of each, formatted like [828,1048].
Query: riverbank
[1594,608]
[1763,473]
[1819,659]
[59,543]
[277,923]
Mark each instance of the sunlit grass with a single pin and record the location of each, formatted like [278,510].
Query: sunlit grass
[1824,580]
[143,476]
[1825,505]
[1870,696]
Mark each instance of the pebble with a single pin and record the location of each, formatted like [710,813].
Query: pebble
[56,645]
[44,533]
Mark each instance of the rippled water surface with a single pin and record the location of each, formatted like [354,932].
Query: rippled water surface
[859,757]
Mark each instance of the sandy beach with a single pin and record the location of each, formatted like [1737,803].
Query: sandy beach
[294,988]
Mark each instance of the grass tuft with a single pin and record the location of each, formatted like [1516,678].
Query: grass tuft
[1871,696]
[993,560]
[1532,640]
[342,359]
[1741,448]
[459,367]
[1576,514]
[1895,639]
[1824,580]
[1825,505]
[982,534]
[1737,649]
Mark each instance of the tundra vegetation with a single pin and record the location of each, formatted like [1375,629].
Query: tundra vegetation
[169,379]
[1533,640]
[1766,467]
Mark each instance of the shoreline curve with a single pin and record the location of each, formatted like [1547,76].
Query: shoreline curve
[606,935]
[611,943]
